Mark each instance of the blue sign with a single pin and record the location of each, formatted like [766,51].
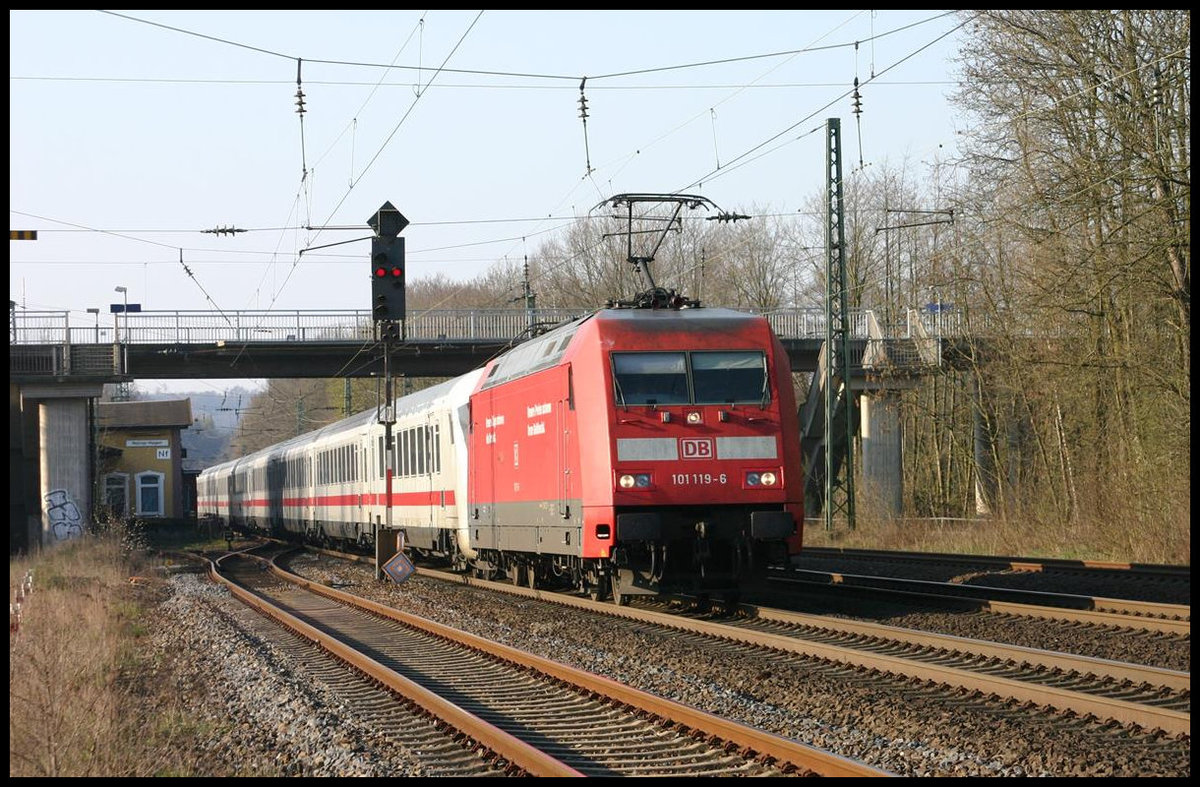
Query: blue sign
[399,568]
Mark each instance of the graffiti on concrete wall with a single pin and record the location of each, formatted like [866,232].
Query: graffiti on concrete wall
[65,519]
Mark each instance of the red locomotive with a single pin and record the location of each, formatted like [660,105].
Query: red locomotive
[638,450]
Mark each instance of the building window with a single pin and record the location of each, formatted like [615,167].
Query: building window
[116,494]
[150,494]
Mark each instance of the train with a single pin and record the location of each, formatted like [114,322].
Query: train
[631,451]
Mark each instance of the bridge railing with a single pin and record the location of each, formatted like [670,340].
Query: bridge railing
[206,327]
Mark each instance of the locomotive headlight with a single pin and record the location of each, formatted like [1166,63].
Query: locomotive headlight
[693,418]
[631,480]
[767,478]
[752,479]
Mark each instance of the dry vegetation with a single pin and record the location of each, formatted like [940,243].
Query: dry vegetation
[84,697]
[1120,539]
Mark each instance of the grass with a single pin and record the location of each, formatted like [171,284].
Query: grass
[85,699]
[1114,539]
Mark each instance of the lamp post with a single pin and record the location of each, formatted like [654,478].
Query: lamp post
[124,350]
[96,312]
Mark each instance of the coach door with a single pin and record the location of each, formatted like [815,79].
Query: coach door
[275,479]
[309,512]
[428,448]
[231,494]
[239,494]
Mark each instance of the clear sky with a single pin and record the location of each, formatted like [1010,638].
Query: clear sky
[131,133]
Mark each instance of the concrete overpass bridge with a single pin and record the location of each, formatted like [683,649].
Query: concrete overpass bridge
[164,345]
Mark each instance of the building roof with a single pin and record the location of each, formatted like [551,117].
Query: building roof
[158,412]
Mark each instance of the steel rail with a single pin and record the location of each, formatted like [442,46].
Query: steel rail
[504,744]
[1028,564]
[1152,616]
[763,743]
[1048,659]
[1146,716]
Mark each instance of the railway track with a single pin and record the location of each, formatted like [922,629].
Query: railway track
[1166,584]
[1130,694]
[1001,563]
[1120,613]
[540,717]
[788,693]
[1146,697]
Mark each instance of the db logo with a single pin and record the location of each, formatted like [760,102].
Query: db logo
[693,448]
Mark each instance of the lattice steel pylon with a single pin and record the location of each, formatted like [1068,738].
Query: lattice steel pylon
[839,398]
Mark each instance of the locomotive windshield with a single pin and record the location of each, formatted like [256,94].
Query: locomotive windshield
[690,378]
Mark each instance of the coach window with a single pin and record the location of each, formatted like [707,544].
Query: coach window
[410,452]
[422,450]
[419,452]
[729,377]
[650,378]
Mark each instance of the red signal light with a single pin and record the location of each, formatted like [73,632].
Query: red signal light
[380,272]
[397,272]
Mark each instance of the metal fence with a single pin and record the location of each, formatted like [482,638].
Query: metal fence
[205,327]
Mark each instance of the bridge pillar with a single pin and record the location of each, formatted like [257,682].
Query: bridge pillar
[65,470]
[882,452]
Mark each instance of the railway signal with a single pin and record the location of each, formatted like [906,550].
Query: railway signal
[387,279]
[387,264]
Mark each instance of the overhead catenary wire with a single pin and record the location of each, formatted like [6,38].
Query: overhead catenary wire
[615,74]
[566,77]
[606,76]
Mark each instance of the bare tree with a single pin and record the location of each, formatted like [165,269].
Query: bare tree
[1079,253]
